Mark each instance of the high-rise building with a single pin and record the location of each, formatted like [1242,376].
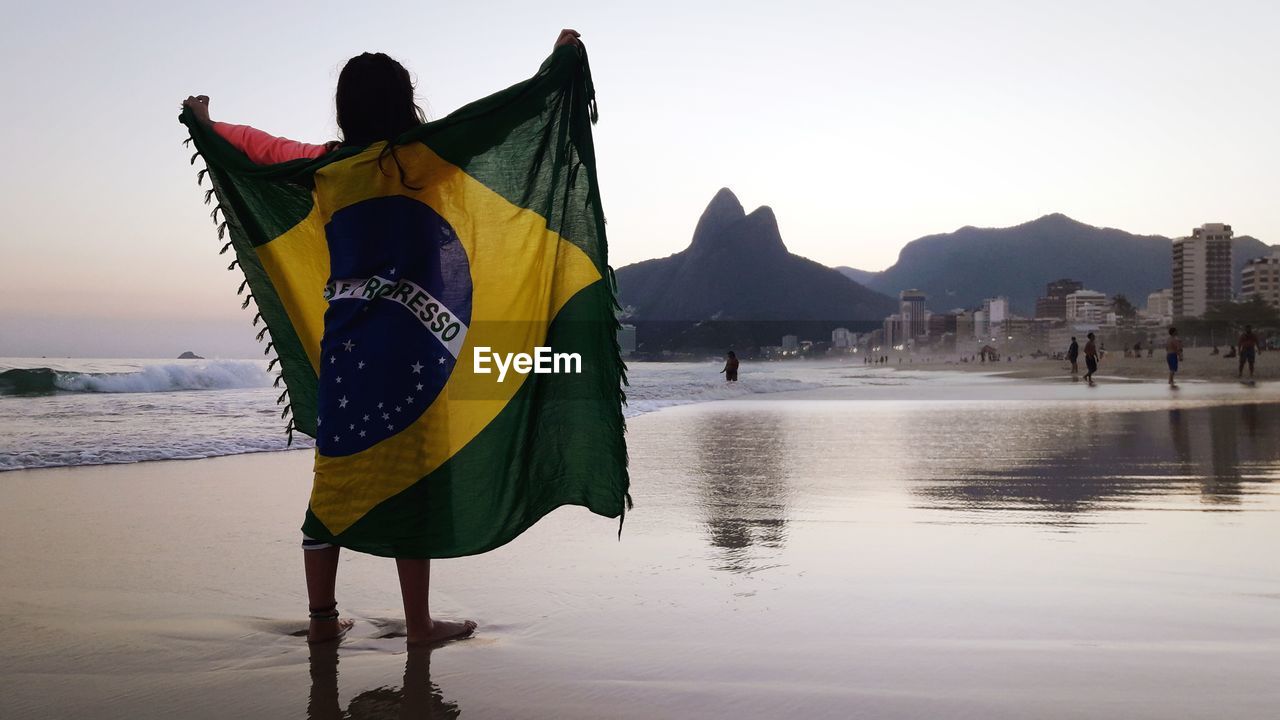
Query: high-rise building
[980,326]
[1260,277]
[964,324]
[842,338]
[1054,303]
[1201,269]
[627,339]
[893,331]
[790,343]
[1160,304]
[996,311]
[942,323]
[1087,306]
[915,319]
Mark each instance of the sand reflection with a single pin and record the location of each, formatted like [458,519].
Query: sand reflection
[1123,460]
[743,475]
[417,698]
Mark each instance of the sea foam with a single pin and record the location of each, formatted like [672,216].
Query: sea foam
[166,377]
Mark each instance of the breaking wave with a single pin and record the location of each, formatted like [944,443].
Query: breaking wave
[167,377]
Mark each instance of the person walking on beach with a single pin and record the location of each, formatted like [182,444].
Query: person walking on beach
[730,369]
[1173,353]
[1248,345]
[374,102]
[1073,355]
[1090,359]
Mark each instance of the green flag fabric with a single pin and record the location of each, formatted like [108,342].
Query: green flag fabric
[442,311]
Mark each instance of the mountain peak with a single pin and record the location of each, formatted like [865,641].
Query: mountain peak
[760,232]
[1056,220]
[723,211]
[725,196]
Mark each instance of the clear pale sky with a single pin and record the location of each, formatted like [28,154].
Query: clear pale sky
[863,124]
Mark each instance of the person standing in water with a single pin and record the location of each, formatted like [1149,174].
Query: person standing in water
[730,369]
[1073,355]
[1173,353]
[1248,345]
[1090,359]
[374,102]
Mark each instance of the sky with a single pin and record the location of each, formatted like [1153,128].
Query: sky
[864,125]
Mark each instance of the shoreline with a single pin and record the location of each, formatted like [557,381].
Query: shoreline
[1031,380]
[1198,364]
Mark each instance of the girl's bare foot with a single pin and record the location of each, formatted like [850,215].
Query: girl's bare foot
[439,631]
[325,630]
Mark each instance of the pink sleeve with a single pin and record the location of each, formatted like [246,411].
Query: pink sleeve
[265,149]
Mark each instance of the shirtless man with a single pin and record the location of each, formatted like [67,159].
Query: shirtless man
[1173,353]
[1248,345]
[1090,358]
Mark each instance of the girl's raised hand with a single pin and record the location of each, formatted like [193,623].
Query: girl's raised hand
[199,105]
[568,37]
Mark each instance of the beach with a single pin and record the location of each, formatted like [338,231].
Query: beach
[927,545]
[1197,364]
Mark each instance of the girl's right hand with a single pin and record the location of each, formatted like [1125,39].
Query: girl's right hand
[568,37]
[199,105]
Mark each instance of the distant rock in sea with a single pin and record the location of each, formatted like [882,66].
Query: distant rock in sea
[737,269]
[188,355]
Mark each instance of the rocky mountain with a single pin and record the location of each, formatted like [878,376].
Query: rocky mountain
[738,269]
[960,268]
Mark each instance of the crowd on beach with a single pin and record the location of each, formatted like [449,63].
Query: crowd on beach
[1244,351]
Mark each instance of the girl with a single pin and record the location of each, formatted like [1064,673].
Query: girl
[374,102]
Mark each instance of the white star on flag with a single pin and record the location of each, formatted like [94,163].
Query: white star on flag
[417,368]
[441,362]
[342,401]
[365,418]
[390,426]
[408,399]
[360,365]
[335,438]
[361,433]
[386,416]
[352,426]
[338,379]
[419,387]
[333,359]
[348,345]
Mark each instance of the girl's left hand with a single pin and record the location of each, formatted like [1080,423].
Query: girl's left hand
[568,37]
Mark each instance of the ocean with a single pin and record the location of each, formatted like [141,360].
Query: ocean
[64,412]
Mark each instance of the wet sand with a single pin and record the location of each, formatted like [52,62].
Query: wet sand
[977,549]
[1199,364]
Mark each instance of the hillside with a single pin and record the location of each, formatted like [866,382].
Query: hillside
[960,268]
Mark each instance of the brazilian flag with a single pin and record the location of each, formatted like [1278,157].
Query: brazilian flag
[398,280]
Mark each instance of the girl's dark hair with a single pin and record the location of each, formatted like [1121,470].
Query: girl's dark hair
[374,102]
